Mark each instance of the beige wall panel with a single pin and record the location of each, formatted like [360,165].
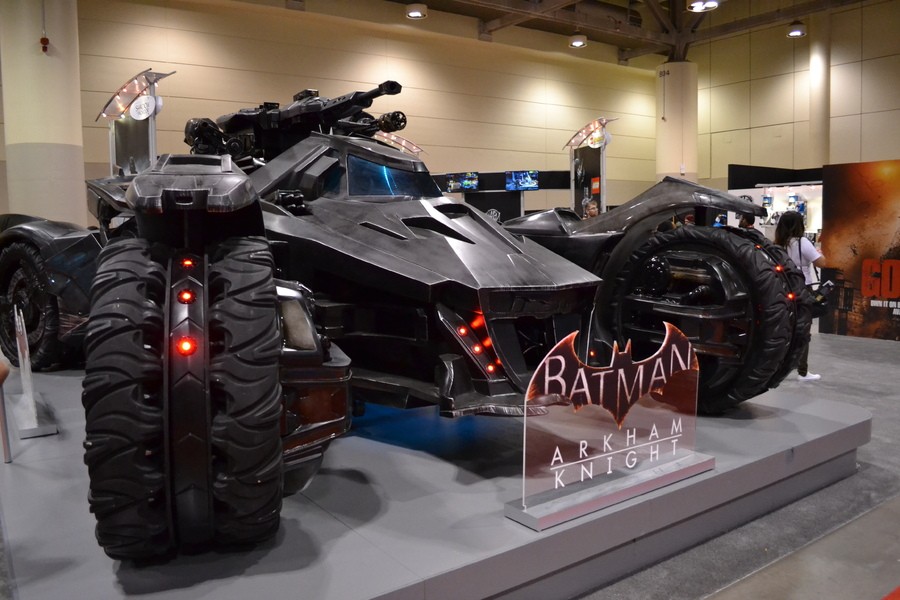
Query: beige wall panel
[881,83]
[630,147]
[149,12]
[260,55]
[771,53]
[571,120]
[703,111]
[729,107]
[469,81]
[846,91]
[4,194]
[716,183]
[772,146]
[730,60]
[700,55]
[803,154]
[880,27]
[846,36]
[418,102]
[772,100]
[432,132]
[801,96]
[880,136]
[703,156]
[96,144]
[238,20]
[845,139]
[602,75]
[730,147]
[3,156]
[171,142]
[631,169]
[123,40]
[447,159]
[453,53]
[621,191]
[801,53]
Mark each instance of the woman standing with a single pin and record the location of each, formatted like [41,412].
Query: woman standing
[789,235]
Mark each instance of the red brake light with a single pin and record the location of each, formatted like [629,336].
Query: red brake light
[477,349]
[791,295]
[462,330]
[779,268]
[186,296]
[187,263]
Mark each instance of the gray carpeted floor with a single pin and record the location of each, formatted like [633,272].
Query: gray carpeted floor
[857,371]
[854,370]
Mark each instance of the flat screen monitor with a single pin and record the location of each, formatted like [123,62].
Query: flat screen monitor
[521,180]
[462,182]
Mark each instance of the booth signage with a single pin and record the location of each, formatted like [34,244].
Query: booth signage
[607,433]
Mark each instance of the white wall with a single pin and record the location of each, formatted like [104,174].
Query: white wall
[754,92]
[472,105]
[506,104]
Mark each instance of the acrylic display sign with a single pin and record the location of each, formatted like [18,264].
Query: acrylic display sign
[607,434]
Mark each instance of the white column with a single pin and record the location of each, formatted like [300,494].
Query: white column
[820,89]
[676,120]
[42,109]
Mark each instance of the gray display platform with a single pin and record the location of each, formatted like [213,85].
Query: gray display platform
[410,506]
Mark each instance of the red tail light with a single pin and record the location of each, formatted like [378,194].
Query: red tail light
[186,296]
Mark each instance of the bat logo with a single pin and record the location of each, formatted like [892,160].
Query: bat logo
[562,378]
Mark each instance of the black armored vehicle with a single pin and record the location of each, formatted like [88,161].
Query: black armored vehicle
[221,295]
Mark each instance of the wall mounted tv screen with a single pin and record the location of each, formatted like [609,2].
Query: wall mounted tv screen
[462,182]
[521,180]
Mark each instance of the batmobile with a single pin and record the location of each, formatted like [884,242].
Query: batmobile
[736,295]
[214,378]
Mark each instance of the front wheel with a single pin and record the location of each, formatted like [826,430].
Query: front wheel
[123,397]
[182,397]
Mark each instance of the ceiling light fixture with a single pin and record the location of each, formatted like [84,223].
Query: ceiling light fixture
[578,40]
[416,11]
[796,30]
[700,6]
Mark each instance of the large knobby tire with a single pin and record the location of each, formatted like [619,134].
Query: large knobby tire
[802,308]
[124,405]
[23,283]
[723,291]
[245,391]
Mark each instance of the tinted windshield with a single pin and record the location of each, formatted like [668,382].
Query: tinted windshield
[367,178]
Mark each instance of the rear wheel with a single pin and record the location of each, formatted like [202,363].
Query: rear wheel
[724,292]
[23,284]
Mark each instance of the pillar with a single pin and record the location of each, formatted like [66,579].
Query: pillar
[676,120]
[42,109]
[820,89]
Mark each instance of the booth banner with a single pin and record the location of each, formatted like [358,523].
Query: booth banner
[861,244]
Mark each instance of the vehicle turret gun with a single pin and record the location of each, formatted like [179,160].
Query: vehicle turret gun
[268,130]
